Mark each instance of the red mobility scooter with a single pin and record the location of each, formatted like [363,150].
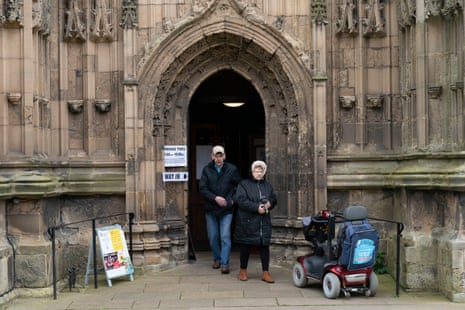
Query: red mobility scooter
[343,262]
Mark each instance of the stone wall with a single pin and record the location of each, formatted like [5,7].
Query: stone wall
[29,221]
[363,103]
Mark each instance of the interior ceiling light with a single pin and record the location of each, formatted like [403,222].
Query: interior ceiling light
[236,104]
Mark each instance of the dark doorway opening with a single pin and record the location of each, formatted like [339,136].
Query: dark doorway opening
[240,130]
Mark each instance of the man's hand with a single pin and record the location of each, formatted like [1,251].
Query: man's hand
[221,201]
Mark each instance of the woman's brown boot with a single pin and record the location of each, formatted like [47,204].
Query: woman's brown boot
[243,274]
[266,277]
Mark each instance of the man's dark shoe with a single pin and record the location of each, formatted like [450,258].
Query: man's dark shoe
[225,269]
[216,264]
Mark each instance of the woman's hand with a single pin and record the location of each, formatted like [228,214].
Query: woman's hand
[262,209]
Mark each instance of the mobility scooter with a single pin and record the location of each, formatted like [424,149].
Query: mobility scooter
[343,262]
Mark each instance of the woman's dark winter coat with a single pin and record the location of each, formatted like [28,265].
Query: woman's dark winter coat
[251,227]
[222,184]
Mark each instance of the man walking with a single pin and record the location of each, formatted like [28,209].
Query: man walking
[217,184]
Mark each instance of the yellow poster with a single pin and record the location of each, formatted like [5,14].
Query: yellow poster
[116,240]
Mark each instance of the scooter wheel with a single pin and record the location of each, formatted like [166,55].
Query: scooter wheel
[298,275]
[373,284]
[331,285]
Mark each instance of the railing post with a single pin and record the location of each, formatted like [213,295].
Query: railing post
[51,232]
[400,228]
[94,250]
[131,218]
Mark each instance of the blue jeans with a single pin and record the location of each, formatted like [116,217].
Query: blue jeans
[219,227]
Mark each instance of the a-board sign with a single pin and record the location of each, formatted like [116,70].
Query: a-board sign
[115,254]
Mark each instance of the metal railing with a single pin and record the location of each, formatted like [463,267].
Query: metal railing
[51,232]
[400,228]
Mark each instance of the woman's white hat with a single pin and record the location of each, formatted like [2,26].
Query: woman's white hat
[259,163]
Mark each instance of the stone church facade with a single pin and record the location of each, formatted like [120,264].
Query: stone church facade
[359,102]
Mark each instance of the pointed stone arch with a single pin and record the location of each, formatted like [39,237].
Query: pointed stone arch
[221,38]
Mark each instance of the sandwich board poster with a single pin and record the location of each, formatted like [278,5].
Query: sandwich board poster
[115,254]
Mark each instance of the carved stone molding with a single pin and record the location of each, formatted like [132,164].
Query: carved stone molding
[279,22]
[41,16]
[130,83]
[13,13]
[75,28]
[451,8]
[75,106]
[14,98]
[446,8]
[374,21]
[172,80]
[129,14]
[161,130]
[435,91]
[41,100]
[456,86]
[407,12]
[103,105]
[347,17]
[375,101]
[102,26]
[251,11]
[433,7]
[319,12]
[347,102]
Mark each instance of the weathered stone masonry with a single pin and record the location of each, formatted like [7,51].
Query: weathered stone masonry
[363,102]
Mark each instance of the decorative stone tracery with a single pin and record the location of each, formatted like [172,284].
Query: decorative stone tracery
[102,26]
[41,16]
[265,68]
[129,15]
[374,21]
[13,13]
[347,21]
[407,12]
[75,28]
[446,8]
[319,13]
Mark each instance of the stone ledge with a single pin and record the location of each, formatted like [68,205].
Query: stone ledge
[56,181]
[431,173]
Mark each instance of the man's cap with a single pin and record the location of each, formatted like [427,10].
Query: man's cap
[218,149]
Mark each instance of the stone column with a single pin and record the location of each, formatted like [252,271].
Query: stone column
[133,135]
[132,129]
[421,74]
[27,82]
[319,103]
[360,84]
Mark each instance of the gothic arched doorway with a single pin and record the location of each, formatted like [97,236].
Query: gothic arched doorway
[240,129]
[167,108]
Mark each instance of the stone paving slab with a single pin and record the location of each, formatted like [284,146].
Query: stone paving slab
[196,286]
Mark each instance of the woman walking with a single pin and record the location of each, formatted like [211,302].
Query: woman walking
[255,198]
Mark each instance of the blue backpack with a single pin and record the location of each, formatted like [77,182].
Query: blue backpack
[359,243]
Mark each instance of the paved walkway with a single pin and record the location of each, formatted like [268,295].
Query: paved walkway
[198,286]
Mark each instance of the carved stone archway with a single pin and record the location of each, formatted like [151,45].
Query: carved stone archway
[221,38]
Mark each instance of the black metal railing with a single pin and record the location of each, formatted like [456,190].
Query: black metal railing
[400,228]
[51,232]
